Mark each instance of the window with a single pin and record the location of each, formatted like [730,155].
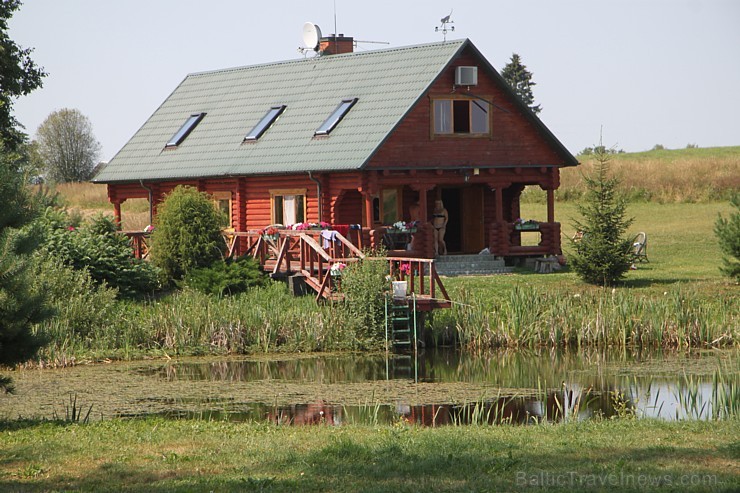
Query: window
[288,206]
[461,116]
[335,117]
[265,123]
[222,202]
[390,200]
[185,130]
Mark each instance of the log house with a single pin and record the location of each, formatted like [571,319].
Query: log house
[354,138]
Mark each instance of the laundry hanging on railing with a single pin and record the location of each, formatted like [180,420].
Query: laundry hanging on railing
[328,237]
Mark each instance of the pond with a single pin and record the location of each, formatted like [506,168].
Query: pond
[433,387]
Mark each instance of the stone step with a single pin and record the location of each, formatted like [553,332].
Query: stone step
[466,265]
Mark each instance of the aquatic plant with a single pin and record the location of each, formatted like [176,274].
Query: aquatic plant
[617,318]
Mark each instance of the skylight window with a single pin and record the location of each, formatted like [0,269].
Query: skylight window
[265,123]
[336,117]
[185,130]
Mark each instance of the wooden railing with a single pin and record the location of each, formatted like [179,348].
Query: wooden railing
[313,254]
[139,241]
[421,274]
[506,239]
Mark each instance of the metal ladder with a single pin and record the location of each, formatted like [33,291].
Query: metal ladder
[400,323]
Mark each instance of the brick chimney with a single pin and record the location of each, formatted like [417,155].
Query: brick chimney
[336,45]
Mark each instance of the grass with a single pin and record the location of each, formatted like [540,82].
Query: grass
[665,176]
[677,299]
[188,322]
[682,247]
[183,456]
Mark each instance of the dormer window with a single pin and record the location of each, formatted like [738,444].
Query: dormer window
[461,116]
[336,117]
[265,123]
[185,130]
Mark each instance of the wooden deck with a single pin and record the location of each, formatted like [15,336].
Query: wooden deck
[318,256]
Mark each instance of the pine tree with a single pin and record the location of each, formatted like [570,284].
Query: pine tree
[20,306]
[520,79]
[603,254]
[728,234]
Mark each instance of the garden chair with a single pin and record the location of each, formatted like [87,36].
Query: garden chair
[639,246]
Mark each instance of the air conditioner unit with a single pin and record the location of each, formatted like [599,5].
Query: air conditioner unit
[466,76]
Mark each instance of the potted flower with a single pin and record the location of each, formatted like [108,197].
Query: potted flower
[270,233]
[337,268]
[404,227]
[528,225]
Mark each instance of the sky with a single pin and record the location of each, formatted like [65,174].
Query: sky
[634,73]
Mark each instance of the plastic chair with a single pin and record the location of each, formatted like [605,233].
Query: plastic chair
[639,246]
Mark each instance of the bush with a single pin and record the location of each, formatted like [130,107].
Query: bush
[364,285]
[99,249]
[187,233]
[82,305]
[602,255]
[226,278]
[728,234]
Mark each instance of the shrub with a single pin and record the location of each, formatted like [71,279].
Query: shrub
[364,285]
[602,255]
[187,233]
[99,249]
[226,278]
[82,305]
[728,234]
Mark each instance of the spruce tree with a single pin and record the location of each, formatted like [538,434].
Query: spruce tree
[603,254]
[728,234]
[520,79]
[187,233]
[20,306]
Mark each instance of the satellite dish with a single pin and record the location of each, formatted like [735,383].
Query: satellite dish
[311,36]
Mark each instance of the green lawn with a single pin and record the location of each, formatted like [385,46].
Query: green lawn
[184,456]
[682,247]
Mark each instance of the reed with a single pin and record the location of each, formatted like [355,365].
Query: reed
[623,318]
[189,322]
[722,403]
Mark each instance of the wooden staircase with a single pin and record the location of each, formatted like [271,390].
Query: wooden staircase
[312,256]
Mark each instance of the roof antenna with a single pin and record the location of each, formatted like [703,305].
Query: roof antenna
[443,26]
[336,33]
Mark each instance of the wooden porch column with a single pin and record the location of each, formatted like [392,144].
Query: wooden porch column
[499,204]
[113,199]
[550,205]
[368,209]
[117,213]
[424,237]
[422,190]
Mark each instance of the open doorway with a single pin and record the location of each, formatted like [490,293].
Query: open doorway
[465,227]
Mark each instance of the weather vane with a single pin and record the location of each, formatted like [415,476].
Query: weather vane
[443,26]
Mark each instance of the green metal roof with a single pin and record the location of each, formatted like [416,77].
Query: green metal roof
[387,83]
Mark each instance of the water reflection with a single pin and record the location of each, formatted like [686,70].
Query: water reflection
[560,386]
[513,410]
